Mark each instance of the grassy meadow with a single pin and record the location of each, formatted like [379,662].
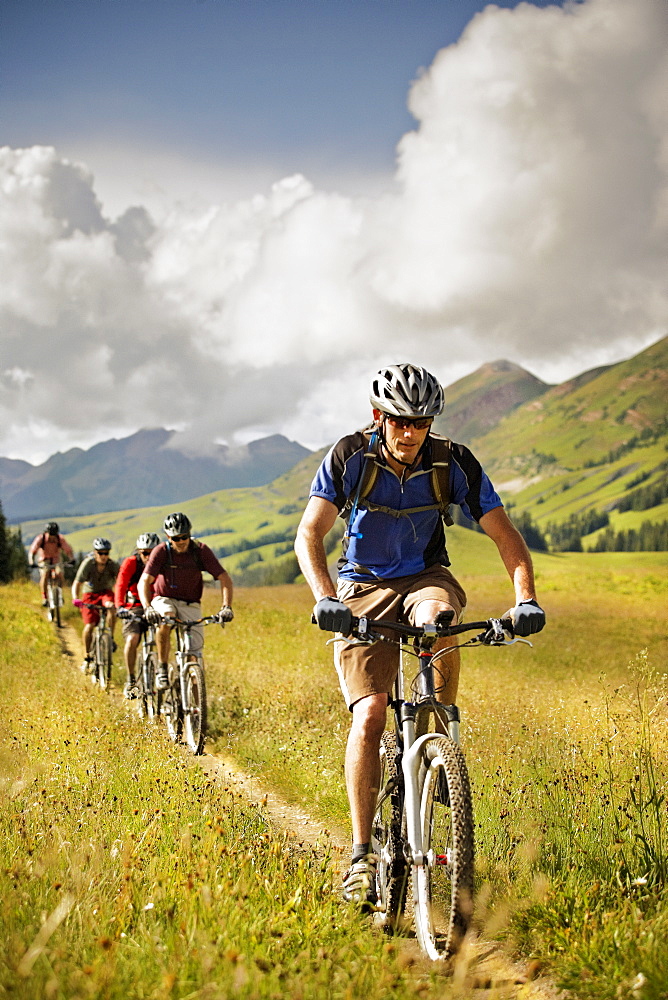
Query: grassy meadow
[566,744]
[127,872]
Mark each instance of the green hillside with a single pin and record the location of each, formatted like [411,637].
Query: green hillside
[248,527]
[591,444]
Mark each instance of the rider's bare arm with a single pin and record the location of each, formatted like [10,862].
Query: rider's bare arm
[513,551]
[144,589]
[318,518]
[226,588]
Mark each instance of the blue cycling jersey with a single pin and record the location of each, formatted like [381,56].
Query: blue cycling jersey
[382,544]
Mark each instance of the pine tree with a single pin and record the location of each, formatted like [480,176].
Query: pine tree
[5,568]
[13,560]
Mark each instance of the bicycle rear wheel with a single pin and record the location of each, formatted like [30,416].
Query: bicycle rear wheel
[170,707]
[53,607]
[148,698]
[444,884]
[103,654]
[195,715]
[387,841]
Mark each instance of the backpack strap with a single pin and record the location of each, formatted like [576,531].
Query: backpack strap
[364,483]
[441,451]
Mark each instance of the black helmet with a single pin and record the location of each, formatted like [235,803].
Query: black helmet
[101,544]
[406,391]
[177,524]
[51,528]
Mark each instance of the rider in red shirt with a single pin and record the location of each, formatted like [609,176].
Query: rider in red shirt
[47,550]
[127,596]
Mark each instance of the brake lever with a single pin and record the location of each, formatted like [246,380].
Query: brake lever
[499,635]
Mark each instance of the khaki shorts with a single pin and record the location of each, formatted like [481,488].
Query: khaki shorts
[133,627]
[187,612]
[367,670]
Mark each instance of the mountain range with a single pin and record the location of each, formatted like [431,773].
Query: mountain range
[586,456]
[138,471]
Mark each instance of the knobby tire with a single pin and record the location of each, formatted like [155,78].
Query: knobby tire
[387,842]
[54,598]
[444,884]
[103,654]
[195,715]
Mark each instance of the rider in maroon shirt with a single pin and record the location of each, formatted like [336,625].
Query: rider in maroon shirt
[174,572]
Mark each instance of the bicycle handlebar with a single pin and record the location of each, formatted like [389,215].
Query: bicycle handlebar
[139,616]
[492,631]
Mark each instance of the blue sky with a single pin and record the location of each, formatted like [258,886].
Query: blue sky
[224,216]
[280,86]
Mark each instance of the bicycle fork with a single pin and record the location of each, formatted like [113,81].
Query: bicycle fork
[410,764]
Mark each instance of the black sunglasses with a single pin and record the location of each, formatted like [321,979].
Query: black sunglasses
[180,538]
[420,424]
[145,552]
[103,552]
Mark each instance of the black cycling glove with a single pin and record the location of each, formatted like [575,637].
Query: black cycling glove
[527,617]
[333,615]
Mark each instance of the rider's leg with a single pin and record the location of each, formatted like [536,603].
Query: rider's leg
[162,637]
[363,763]
[87,636]
[43,573]
[130,653]
[446,669]
[111,617]
[433,591]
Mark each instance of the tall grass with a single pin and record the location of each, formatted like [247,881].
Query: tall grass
[125,872]
[565,743]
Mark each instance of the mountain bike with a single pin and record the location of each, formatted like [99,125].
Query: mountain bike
[54,593]
[147,696]
[102,647]
[183,703]
[423,824]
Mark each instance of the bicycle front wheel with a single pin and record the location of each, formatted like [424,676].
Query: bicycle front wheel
[195,707]
[387,841]
[103,654]
[444,883]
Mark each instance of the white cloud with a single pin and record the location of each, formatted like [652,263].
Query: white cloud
[528,220]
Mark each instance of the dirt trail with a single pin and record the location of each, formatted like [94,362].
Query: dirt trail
[481,968]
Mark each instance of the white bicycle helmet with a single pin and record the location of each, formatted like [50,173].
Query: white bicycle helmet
[177,524]
[406,391]
[148,540]
[100,544]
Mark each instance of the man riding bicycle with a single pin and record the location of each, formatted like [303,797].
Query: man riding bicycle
[47,550]
[126,596]
[171,587]
[94,581]
[394,482]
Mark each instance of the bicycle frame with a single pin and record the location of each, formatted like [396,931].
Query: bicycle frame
[101,630]
[183,653]
[407,714]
